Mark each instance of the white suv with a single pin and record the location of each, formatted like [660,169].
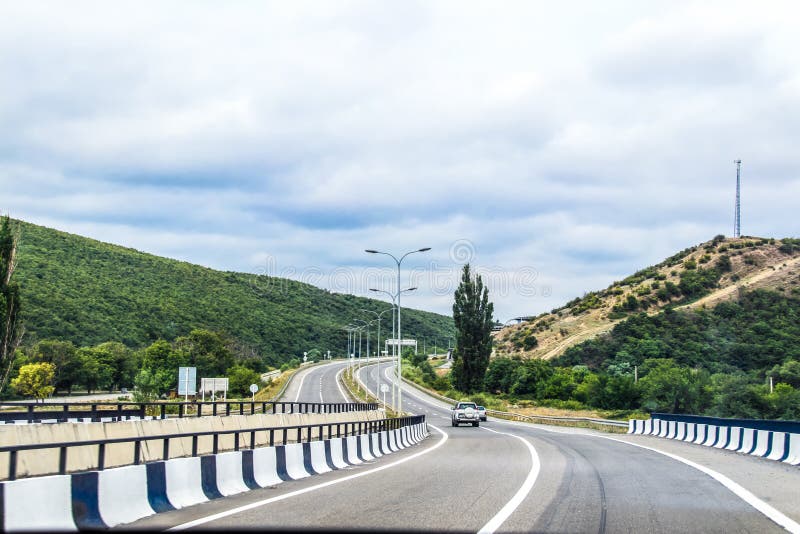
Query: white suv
[465,412]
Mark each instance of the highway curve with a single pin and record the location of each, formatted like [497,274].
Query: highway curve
[500,477]
[317,384]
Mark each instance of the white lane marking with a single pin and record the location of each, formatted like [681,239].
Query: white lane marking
[300,387]
[339,385]
[769,511]
[240,509]
[320,390]
[504,513]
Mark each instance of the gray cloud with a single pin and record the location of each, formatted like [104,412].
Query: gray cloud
[579,142]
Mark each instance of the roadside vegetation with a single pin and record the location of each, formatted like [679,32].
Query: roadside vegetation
[86,292]
[150,373]
[715,362]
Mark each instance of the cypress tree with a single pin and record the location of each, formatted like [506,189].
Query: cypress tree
[472,314]
[11,330]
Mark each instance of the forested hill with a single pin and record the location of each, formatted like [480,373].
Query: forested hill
[88,292]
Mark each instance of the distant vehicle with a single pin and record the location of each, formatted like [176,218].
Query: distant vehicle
[482,413]
[465,412]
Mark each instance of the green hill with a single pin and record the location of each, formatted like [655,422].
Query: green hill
[88,292]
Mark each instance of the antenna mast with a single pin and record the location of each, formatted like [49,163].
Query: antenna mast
[737,223]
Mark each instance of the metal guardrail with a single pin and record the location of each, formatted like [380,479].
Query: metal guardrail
[125,410]
[520,417]
[556,418]
[302,434]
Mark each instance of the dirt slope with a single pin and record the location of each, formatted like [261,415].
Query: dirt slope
[721,266]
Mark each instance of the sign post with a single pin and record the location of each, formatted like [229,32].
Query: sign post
[213,385]
[187,382]
[254,390]
[384,389]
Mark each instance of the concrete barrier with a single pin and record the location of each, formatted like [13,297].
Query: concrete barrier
[45,461]
[38,504]
[762,440]
[724,437]
[748,441]
[383,443]
[122,495]
[319,461]
[663,429]
[735,439]
[337,451]
[398,439]
[391,435]
[115,496]
[405,437]
[265,467]
[229,473]
[770,444]
[793,454]
[702,432]
[295,463]
[691,432]
[374,445]
[365,446]
[184,482]
[779,446]
[712,434]
[350,450]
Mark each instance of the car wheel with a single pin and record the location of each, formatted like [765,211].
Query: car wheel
[475,424]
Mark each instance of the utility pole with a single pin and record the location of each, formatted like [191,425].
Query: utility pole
[737,223]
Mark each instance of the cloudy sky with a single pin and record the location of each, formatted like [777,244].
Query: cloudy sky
[557,146]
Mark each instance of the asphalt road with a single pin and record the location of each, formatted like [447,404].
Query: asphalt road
[317,384]
[502,476]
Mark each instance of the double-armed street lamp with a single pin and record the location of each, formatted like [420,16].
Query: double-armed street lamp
[399,338]
[395,349]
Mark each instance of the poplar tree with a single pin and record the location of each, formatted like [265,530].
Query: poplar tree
[472,314]
[11,329]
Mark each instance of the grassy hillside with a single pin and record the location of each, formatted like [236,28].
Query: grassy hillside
[88,292]
[697,277]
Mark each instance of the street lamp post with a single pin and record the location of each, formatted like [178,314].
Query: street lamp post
[378,318]
[366,325]
[395,346]
[399,328]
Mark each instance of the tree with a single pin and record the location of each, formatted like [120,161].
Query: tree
[240,378]
[206,350]
[63,355]
[472,314]
[668,387]
[35,380]
[120,360]
[500,375]
[11,329]
[95,373]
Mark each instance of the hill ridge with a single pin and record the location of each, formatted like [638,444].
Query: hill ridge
[88,291]
[695,277]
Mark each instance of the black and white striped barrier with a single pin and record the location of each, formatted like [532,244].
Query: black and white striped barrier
[103,499]
[776,445]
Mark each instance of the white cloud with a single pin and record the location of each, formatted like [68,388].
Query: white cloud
[580,141]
